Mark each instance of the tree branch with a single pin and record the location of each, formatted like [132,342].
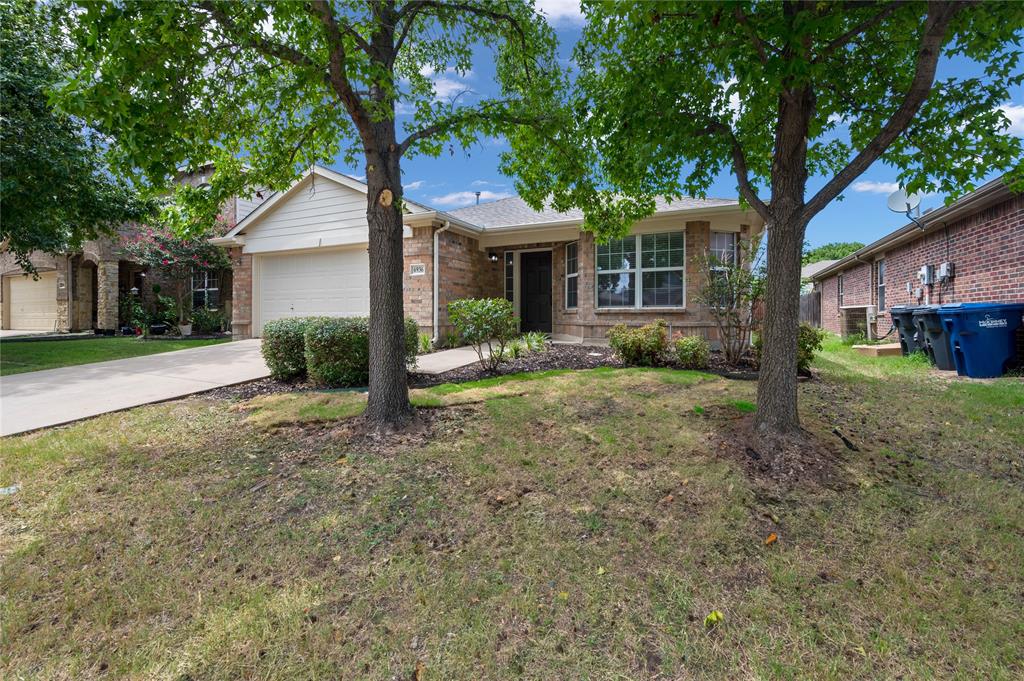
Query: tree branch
[261,43]
[739,162]
[939,17]
[844,39]
[336,67]
[759,44]
[463,116]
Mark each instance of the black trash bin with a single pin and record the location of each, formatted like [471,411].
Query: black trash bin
[934,337]
[903,320]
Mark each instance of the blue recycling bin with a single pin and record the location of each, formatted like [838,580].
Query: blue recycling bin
[983,336]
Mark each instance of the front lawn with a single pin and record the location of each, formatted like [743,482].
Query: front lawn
[20,356]
[579,525]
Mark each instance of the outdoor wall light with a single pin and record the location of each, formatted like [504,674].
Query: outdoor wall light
[492,256]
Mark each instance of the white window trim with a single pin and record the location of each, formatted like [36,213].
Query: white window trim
[880,277]
[735,248]
[575,275]
[207,276]
[839,290]
[638,273]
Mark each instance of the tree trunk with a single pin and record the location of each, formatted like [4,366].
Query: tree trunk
[777,382]
[388,404]
[777,385]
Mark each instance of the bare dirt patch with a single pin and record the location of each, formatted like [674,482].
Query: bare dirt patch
[785,462]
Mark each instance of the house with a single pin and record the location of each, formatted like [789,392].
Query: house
[970,250]
[82,290]
[304,252]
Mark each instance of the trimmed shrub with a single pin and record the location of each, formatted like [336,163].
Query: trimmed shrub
[206,321]
[640,346]
[483,322]
[338,350]
[284,346]
[693,352]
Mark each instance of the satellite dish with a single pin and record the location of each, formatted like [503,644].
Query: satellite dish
[902,202]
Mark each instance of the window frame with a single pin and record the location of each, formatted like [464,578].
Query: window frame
[573,275]
[638,271]
[734,248]
[839,290]
[209,277]
[880,284]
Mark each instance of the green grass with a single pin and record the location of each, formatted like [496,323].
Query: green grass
[21,356]
[572,525]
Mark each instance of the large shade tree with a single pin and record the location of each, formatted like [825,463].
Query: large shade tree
[264,90]
[55,191]
[672,94]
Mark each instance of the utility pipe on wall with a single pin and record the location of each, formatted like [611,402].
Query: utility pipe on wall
[437,277]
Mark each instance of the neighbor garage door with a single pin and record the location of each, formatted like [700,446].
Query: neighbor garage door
[32,303]
[333,283]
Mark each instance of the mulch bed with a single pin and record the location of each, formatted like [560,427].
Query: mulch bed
[555,357]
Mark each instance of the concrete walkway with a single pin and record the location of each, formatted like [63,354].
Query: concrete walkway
[446,360]
[40,399]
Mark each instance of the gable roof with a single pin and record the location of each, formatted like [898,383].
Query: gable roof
[319,171]
[515,212]
[810,269]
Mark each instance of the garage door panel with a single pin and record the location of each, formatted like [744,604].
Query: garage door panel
[32,302]
[332,283]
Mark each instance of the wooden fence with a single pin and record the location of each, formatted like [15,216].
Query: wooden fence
[810,308]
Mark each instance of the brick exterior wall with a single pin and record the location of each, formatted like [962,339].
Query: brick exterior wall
[987,252]
[241,293]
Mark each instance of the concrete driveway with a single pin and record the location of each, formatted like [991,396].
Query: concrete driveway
[40,399]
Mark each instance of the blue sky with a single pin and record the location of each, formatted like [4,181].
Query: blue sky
[450,181]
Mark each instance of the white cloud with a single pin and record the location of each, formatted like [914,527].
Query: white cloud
[1015,112]
[560,11]
[445,88]
[872,187]
[418,184]
[459,199]
[486,183]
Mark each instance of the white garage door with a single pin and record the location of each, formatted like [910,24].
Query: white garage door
[32,302]
[332,283]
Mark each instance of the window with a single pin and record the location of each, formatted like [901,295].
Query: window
[723,247]
[205,289]
[572,278]
[723,253]
[659,272]
[839,289]
[881,285]
[510,276]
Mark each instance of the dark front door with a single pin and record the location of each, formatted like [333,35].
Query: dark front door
[535,291]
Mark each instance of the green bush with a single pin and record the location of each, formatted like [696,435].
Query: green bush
[338,350]
[489,322]
[640,346]
[284,346]
[809,342]
[426,345]
[206,321]
[693,352]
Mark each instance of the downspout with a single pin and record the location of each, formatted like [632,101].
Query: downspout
[437,278]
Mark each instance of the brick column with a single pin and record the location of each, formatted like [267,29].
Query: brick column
[241,294]
[106,303]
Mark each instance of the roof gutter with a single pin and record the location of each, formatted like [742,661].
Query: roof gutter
[976,200]
[437,278]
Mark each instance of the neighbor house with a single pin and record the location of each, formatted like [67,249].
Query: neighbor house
[82,290]
[968,251]
[304,252]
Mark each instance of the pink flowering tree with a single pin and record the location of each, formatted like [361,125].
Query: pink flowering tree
[176,258]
